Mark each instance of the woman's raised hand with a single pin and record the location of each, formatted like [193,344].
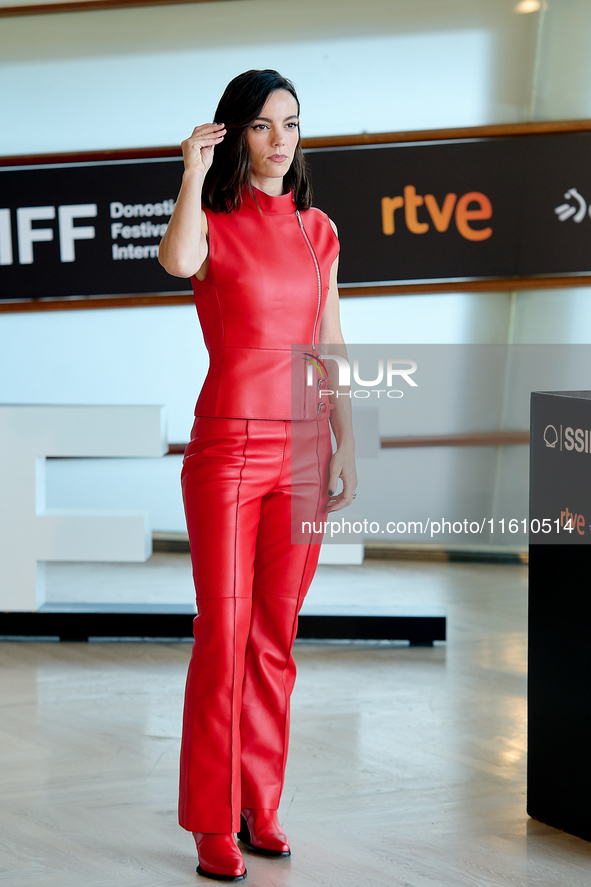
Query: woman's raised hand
[198,148]
[184,248]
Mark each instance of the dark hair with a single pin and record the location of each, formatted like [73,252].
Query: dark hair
[241,104]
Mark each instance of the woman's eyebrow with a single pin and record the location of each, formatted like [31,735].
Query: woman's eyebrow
[268,119]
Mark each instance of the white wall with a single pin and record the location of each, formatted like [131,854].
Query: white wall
[563,80]
[120,356]
[134,77]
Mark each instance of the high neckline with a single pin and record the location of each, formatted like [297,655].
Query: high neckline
[281,205]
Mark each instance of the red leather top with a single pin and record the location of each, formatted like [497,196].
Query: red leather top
[259,297]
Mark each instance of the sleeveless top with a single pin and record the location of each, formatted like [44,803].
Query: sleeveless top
[265,290]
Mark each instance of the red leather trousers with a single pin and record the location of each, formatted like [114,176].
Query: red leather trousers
[245,483]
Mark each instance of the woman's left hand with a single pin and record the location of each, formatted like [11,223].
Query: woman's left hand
[342,465]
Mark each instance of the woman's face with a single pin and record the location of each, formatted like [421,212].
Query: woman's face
[272,138]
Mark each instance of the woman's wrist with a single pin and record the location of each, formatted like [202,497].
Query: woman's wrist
[193,177]
[345,441]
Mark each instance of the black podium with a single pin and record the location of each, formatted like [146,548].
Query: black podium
[559,659]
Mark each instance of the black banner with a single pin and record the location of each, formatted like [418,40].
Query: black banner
[457,210]
[462,210]
[86,229]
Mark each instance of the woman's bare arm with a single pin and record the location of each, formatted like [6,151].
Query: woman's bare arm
[183,249]
[342,463]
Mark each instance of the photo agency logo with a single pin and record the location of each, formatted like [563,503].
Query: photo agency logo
[391,371]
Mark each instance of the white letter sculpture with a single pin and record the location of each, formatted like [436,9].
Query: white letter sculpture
[30,533]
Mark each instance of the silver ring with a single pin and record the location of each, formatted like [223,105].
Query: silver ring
[354,495]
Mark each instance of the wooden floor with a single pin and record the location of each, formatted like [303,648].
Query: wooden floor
[407,765]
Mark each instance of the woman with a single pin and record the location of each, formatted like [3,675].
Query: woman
[258,469]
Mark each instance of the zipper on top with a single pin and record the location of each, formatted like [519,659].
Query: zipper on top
[310,247]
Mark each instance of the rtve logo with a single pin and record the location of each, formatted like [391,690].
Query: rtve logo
[471,206]
[27,234]
[570,522]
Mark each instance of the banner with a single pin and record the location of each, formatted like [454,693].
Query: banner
[459,210]
[86,229]
[424,212]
